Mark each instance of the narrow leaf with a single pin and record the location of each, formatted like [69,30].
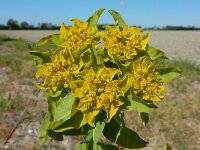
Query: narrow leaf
[93,20]
[53,39]
[118,19]
[97,132]
[167,74]
[43,130]
[139,105]
[155,53]
[93,135]
[169,147]
[40,57]
[145,118]
[45,41]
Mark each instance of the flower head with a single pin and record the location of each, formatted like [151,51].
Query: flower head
[58,73]
[124,43]
[78,36]
[144,82]
[98,91]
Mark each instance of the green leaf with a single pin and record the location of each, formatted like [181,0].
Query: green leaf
[55,136]
[82,146]
[102,56]
[167,74]
[93,20]
[97,131]
[41,57]
[80,51]
[53,39]
[43,130]
[30,46]
[62,110]
[93,135]
[139,105]
[116,132]
[93,59]
[145,118]
[51,95]
[118,62]
[169,147]
[155,53]
[45,41]
[99,146]
[72,132]
[75,122]
[118,19]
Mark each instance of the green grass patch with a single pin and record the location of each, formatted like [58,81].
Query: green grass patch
[9,103]
[17,44]
[189,70]
[14,61]
[18,57]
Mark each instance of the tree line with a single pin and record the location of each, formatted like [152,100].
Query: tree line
[15,25]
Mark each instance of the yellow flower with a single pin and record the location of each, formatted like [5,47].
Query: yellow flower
[98,91]
[78,36]
[58,73]
[110,99]
[144,82]
[124,43]
[89,101]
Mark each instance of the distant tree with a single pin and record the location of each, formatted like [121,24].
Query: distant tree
[12,24]
[3,26]
[180,28]
[45,25]
[24,25]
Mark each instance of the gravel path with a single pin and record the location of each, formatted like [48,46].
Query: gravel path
[176,44]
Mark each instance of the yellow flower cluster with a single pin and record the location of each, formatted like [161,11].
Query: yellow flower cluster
[144,82]
[58,73]
[78,36]
[100,89]
[124,43]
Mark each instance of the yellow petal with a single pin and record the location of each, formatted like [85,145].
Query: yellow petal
[64,30]
[145,40]
[113,110]
[43,70]
[79,23]
[90,117]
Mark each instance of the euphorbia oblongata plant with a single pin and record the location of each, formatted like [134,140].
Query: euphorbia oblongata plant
[92,76]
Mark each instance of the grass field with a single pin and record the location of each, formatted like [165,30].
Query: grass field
[176,121]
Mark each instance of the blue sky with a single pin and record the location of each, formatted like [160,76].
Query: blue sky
[136,12]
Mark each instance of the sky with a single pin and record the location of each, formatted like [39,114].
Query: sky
[147,13]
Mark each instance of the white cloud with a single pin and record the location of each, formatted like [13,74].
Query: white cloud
[122,3]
